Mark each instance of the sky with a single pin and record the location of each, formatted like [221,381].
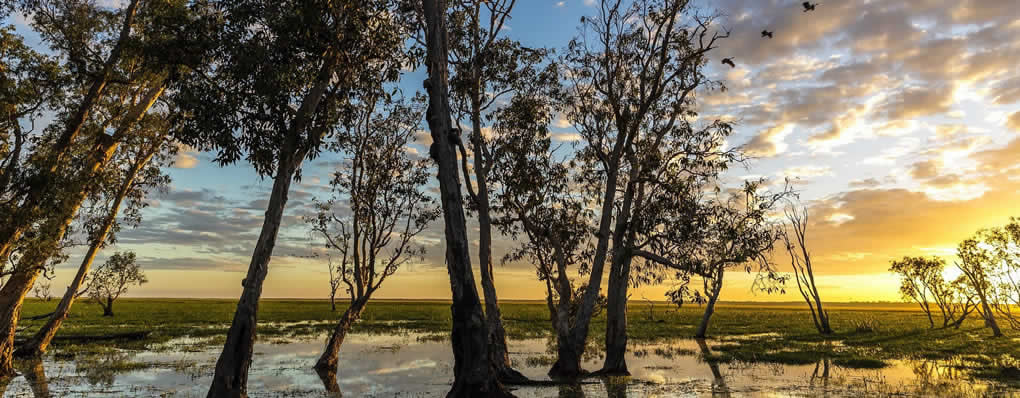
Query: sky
[897,121]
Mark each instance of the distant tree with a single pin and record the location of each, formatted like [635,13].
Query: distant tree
[733,231]
[795,238]
[335,279]
[42,291]
[977,263]
[113,278]
[921,281]
[377,210]
[1004,243]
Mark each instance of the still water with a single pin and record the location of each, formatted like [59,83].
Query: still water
[407,365]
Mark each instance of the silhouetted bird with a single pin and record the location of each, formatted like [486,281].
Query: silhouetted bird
[808,6]
[727,61]
[766,33]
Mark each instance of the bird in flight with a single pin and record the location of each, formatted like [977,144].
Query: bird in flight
[809,7]
[765,33]
[727,61]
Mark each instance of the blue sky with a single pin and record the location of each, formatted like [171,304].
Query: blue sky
[898,122]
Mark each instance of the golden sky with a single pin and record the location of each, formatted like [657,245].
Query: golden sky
[898,121]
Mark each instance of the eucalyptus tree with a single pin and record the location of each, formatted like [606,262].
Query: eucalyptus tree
[284,75]
[377,209]
[921,281]
[486,68]
[474,374]
[113,278]
[981,263]
[1004,245]
[731,230]
[112,83]
[634,72]
[133,174]
[795,240]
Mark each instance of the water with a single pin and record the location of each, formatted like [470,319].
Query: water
[407,365]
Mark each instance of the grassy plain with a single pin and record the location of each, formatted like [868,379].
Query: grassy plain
[866,335]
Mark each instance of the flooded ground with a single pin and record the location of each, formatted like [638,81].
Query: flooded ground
[411,365]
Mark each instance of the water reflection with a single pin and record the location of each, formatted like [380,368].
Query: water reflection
[328,378]
[719,388]
[683,367]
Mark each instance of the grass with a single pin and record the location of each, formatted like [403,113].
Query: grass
[866,335]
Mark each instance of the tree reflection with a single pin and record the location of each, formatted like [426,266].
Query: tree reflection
[328,377]
[719,388]
[35,375]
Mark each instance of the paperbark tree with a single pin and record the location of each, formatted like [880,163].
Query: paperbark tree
[286,74]
[474,375]
[386,209]
[731,230]
[486,68]
[634,71]
[18,215]
[978,264]
[129,184]
[795,240]
[113,278]
[921,281]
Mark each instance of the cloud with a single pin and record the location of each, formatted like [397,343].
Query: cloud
[185,158]
[1013,122]
[769,142]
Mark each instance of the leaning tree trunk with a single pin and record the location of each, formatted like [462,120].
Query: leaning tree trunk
[473,372]
[710,306]
[39,342]
[20,218]
[331,355]
[12,295]
[230,379]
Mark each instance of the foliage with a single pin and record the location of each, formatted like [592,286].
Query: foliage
[112,279]
[921,280]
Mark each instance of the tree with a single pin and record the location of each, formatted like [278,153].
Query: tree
[732,231]
[66,161]
[634,72]
[135,172]
[485,69]
[42,290]
[989,261]
[473,372]
[921,281]
[386,208]
[112,279]
[795,238]
[1004,243]
[284,75]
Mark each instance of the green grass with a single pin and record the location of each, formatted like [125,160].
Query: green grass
[759,332]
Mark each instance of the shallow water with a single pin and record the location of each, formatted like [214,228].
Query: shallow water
[408,366]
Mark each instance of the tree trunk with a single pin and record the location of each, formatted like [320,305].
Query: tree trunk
[331,355]
[616,319]
[710,306]
[20,218]
[990,317]
[39,342]
[498,353]
[12,295]
[474,375]
[108,307]
[230,379]
[35,375]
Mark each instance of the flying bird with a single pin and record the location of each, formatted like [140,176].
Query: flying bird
[808,6]
[727,61]
[765,33]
